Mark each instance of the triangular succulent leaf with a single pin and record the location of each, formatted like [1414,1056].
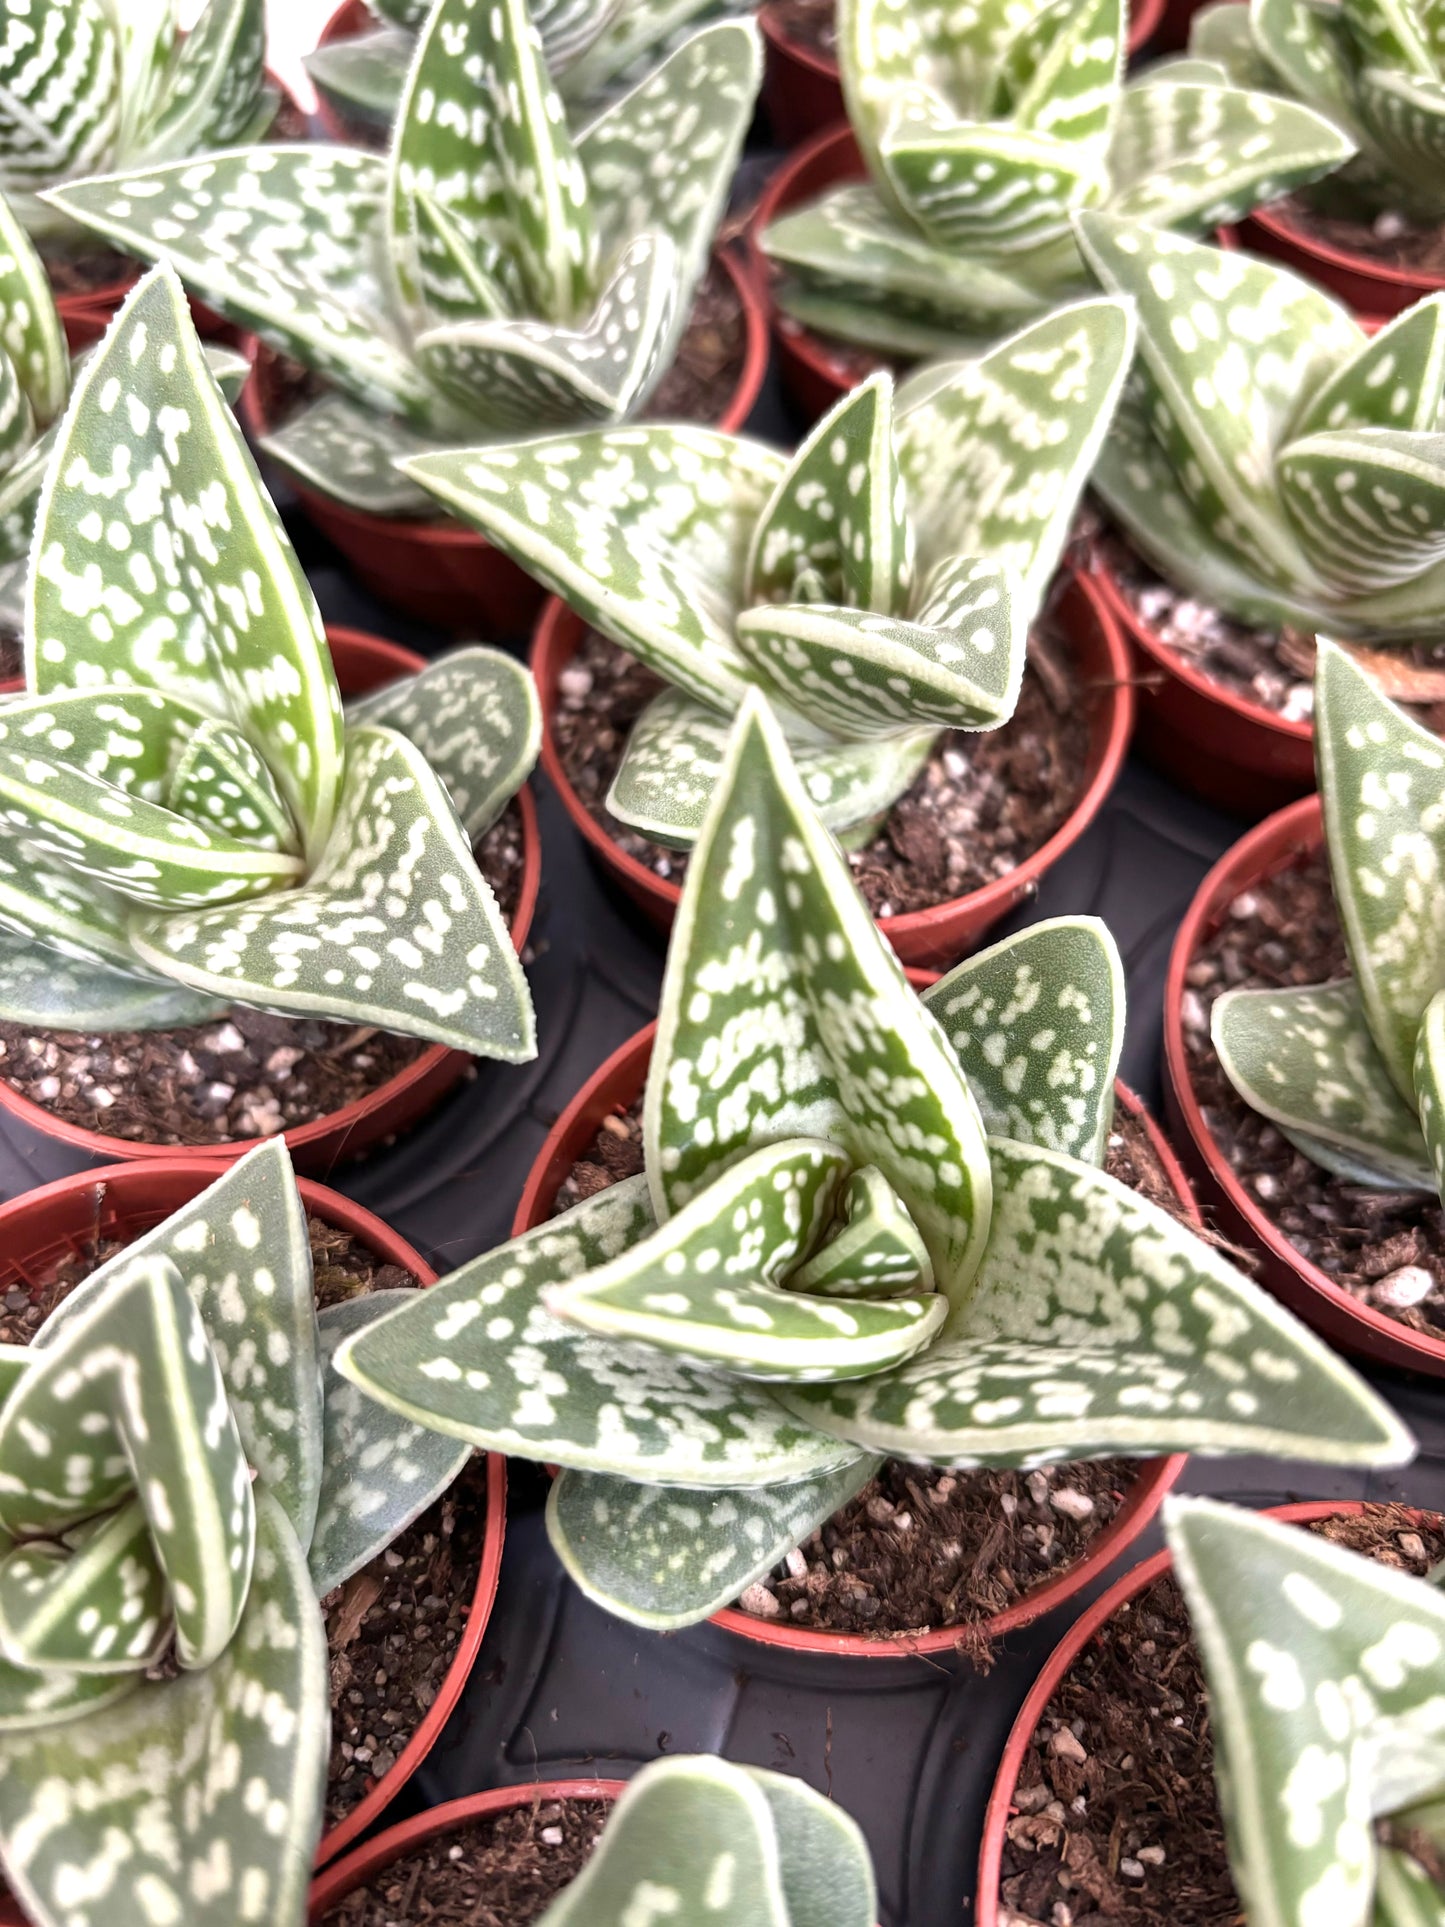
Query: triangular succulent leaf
[59,92]
[130,738]
[1306,49]
[873,1249]
[1404,116]
[35,1701]
[30,328]
[41,988]
[221,779]
[17,424]
[827,1874]
[51,904]
[351,453]
[1368,506]
[1430,1084]
[1389,34]
[1037,1022]
[101,1609]
[214,86]
[1395,380]
[1059,74]
[148,30]
[666,1556]
[364,75]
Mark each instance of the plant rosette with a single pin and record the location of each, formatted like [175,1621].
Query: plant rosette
[491,273]
[842,1265]
[612,1090]
[151,1233]
[364,664]
[1317,1567]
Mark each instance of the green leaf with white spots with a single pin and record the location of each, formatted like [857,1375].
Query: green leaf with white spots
[1395,381]
[100,1609]
[1308,51]
[474,714]
[478,1357]
[130,1397]
[873,1249]
[1404,116]
[1381,777]
[208,1846]
[17,424]
[665,1556]
[381,1471]
[147,40]
[220,779]
[1368,505]
[215,86]
[36,1701]
[59,90]
[136,576]
[350,453]
[61,911]
[130,738]
[1099,1324]
[784,1014]
[1305,1059]
[827,1875]
[1037,1022]
[42,988]
[364,75]
[1430,1084]
[30,328]
[1060,72]
[394,926]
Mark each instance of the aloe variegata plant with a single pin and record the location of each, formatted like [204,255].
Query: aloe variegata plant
[1353,1072]
[489,275]
[868,1225]
[164,1688]
[1376,68]
[188,814]
[696,1840]
[1268,455]
[878,585]
[1326,1677]
[982,128]
[87,86]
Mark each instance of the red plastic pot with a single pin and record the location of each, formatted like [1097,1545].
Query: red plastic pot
[42,1227]
[1274,845]
[361,1866]
[363,662]
[1372,289]
[613,1088]
[1089,1627]
[442,571]
[1233,752]
[85,317]
[934,937]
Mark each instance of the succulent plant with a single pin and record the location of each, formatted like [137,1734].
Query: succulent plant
[187,814]
[164,1686]
[1326,1673]
[982,129]
[868,1225]
[1353,1072]
[878,585]
[1375,68]
[696,1838]
[91,85]
[1268,456]
[490,275]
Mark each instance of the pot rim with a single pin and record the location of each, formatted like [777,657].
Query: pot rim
[1415,282]
[1296,830]
[332,1131]
[596,1099]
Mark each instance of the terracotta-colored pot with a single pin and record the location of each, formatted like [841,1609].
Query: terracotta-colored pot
[802,91]
[85,318]
[444,572]
[42,1227]
[1235,753]
[941,935]
[1274,845]
[1177,17]
[1371,288]
[378,1854]
[613,1088]
[363,662]
[1086,1629]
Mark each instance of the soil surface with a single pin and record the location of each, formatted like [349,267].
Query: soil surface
[1114,1817]
[1391,240]
[813,23]
[95,271]
[1386,1247]
[981,806]
[920,1547]
[248,1074]
[503,1871]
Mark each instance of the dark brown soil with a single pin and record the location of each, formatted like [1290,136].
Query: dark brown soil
[709,363]
[1390,240]
[246,1075]
[812,23]
[503,1871]
[1115,1817]
[981,806]
[920,1547]
[12,656]
[96,271]
[1385,1247]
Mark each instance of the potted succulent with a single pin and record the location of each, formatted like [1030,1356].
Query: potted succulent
[1306,1076]
[879,586]
[945,212]
[829,1261]
[489,274]
[1376,233]
[693,1834]
[96,85]
[193,822]
[1272,474]
[1309,1687]
[160,1625]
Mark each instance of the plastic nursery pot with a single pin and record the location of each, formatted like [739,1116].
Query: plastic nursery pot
[85,318]
[363,662]
[1371,288]
[1089,1627]
[613,1088]
[1233,752]
[938,936]
[442,571]
[1272,846]
[365,1862]
[42,1228]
